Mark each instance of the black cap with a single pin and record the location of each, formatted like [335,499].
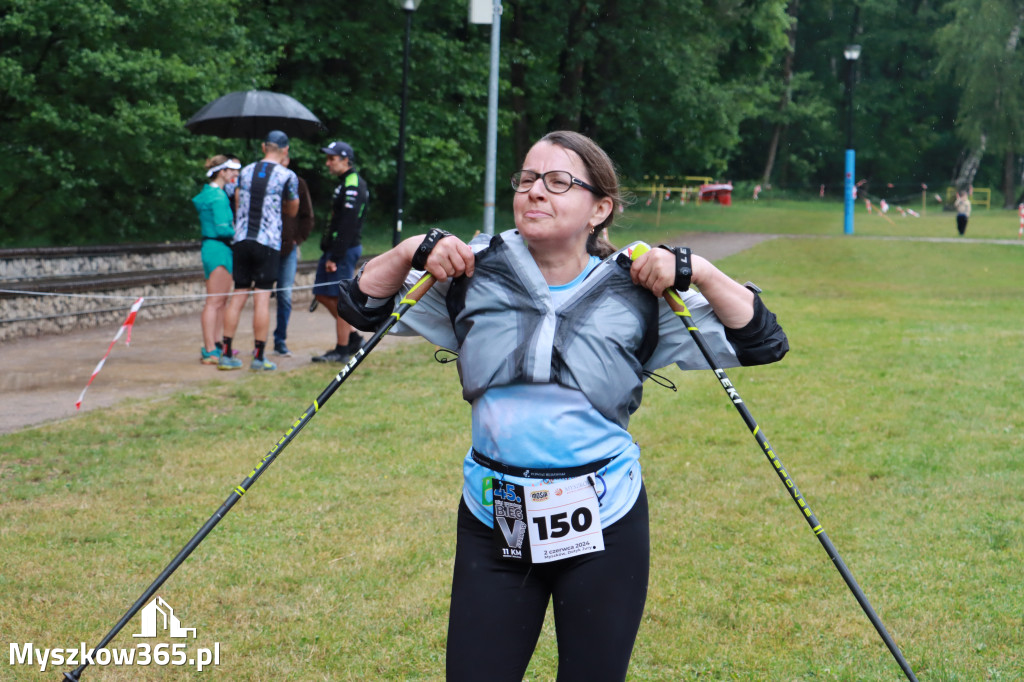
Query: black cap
[339,148]
[277,137]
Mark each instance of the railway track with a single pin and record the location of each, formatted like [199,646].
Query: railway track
[55,290]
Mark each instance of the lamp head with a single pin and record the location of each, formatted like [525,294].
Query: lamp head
[852,52]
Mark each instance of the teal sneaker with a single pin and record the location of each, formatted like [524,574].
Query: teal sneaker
[261,365]
[208,358]
[229,363]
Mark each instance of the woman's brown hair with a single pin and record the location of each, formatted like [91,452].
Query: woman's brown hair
[602,175]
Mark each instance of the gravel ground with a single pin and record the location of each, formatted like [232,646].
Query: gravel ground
[42,377]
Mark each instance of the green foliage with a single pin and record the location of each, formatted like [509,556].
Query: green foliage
[991,81]
[662,85]
[94,98]
[903,109]
[95,94]
[620,70]
[345,62]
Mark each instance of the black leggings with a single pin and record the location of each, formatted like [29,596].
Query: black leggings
[961,223]
[498,606]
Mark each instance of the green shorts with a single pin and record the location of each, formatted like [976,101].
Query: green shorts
[215,254]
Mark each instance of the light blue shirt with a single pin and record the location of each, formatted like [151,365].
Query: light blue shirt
[548,426]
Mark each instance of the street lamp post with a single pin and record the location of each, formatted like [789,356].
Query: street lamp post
[489,12]
[409,6]
[492,120]
[852,53]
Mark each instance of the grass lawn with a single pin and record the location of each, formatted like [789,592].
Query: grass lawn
[818,217]
[897,412]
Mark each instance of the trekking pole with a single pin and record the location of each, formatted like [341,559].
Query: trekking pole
[679,307]
[411,298]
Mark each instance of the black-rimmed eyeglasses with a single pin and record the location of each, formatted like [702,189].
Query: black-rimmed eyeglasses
[556,182]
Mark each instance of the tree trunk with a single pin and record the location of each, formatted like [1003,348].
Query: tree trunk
[1008,178]
[601,71]
[773,148]
[787,94]
[1020,197]
[517,78]
[964,176]
[570,67]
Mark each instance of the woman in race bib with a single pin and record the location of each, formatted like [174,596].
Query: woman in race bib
[555,332]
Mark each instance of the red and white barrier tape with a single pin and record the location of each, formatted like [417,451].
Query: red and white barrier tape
[125,327]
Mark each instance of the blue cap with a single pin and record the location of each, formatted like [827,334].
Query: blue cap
[339,148]
[277,137]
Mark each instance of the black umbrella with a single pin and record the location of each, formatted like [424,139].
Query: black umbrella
[254,113]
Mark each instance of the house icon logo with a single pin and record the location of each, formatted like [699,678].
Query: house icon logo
[158,615]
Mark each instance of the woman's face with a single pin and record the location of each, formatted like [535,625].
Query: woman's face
[557,219]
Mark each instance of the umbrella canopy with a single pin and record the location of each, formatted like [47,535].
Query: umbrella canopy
[253,114]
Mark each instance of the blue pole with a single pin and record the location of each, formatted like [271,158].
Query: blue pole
[848,192]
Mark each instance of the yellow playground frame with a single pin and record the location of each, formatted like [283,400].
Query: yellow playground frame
[657,186]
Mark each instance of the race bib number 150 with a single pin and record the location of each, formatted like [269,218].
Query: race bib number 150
[548,521]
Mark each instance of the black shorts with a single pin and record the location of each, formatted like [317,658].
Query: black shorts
[498,607]
[255,265]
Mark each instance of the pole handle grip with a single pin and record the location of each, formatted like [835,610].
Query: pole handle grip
[419,289]
[671,296]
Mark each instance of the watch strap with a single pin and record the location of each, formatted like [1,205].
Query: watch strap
[419,259]
[684,266]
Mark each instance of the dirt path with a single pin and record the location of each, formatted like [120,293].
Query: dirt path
[42,377]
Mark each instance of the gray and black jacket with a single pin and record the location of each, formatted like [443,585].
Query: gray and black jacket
[603,340]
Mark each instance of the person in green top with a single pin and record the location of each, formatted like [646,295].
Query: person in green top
[218,232]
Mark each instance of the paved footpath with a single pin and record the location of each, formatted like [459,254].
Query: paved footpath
[42,377]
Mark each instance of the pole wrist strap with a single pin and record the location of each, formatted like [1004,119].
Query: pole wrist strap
[684,266]
[419,259]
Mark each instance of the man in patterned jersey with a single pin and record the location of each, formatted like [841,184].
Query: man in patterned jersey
[266,191]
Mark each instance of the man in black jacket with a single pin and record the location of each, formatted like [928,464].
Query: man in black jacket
[341,246]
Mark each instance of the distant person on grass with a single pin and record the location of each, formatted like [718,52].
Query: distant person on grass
[341,246]
[556,332]
[963,212]
[266,191]
[218,232]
